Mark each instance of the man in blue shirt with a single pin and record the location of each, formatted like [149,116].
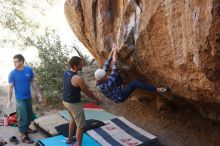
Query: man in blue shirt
[112,87]
[21,78]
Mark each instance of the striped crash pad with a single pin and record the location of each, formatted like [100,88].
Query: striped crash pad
[98,114]
[47,124]
[121,132]
[60,140]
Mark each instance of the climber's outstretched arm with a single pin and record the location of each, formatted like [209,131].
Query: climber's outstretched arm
[115,54]
[109,59]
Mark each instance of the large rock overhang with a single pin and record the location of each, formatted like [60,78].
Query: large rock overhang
[176,43]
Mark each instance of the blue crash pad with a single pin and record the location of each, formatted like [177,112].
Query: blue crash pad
[60,140]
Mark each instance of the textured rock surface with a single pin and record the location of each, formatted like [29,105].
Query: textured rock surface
[162,41]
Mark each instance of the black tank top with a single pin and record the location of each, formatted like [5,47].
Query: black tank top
[71,94]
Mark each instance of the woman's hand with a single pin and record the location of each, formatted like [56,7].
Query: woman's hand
[114,49]
[115,52]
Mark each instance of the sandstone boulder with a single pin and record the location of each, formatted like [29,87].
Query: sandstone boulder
[170,42]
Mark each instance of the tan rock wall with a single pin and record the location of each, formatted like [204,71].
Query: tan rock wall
[170,42]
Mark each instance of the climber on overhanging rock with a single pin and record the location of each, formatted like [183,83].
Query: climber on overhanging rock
[112,87]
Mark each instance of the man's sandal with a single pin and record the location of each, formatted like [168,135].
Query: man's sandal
[31,131]
[27,140]
[14,140]
[70,141]
[2,142]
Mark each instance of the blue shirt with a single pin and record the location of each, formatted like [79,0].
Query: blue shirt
[21,80]
[111,88]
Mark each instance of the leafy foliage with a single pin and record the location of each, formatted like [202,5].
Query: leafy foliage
[20,27]
[52,66]
[18,19]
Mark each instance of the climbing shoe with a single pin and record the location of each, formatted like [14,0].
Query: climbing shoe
[163,89]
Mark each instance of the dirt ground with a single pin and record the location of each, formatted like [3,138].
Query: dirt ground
[184,127]
[181,127]
[7,131]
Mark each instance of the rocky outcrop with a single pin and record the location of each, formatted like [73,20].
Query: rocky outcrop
[162,41]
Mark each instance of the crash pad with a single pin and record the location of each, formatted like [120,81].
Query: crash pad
[120,132]
[101,115]
[60,140]
[48,123]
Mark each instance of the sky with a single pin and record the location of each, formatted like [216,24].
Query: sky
[54,18]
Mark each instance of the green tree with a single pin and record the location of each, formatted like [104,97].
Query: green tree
[49,72]
[19,19]
[20,28]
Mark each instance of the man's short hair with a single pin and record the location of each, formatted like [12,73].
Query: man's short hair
[75,60]
[19,57]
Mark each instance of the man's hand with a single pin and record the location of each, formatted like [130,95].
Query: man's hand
[9,104]
[99,101]
[10,92]
[36,89]
[40,97]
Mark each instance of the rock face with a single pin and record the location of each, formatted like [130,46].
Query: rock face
[162,41]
